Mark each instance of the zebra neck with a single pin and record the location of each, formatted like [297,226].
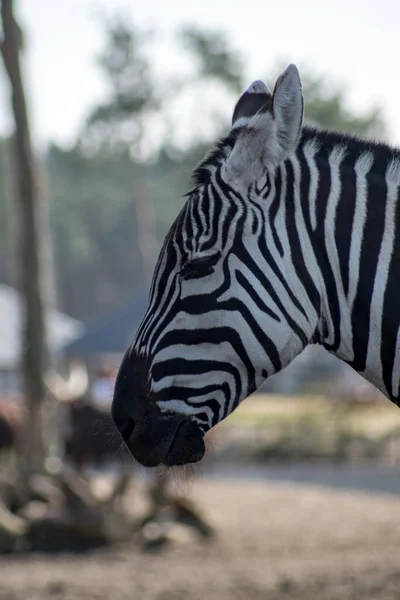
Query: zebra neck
[350,198]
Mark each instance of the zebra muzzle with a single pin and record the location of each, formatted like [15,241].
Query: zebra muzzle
[154,438]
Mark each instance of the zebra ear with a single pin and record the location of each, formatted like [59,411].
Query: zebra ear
[287,112]
[255,100]
[269,125]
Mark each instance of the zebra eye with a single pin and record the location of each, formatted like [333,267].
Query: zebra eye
[200,267]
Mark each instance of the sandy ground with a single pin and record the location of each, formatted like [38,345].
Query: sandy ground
[274,542]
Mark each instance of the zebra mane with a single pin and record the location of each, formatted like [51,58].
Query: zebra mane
[354,146]
[215,158]
[383,154]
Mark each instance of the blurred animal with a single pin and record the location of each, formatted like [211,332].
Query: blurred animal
[87,431]
[11,415]
[88,437]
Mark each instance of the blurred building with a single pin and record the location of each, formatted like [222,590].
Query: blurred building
[105,340]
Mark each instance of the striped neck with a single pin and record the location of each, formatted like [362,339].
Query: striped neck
[346,194]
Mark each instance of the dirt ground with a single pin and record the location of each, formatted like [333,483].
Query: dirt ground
[273,542]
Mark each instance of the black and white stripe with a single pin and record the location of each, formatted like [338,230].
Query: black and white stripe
[287,238]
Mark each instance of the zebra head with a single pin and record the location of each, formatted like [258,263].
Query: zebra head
[222,314]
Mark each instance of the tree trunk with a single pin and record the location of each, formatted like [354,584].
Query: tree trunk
[34,354]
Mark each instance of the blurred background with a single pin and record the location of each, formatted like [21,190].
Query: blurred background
[105,109]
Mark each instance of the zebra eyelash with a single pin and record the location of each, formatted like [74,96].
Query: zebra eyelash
[196,268]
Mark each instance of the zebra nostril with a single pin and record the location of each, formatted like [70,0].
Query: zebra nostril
[127,428]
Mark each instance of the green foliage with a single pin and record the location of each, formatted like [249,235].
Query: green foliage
[94,230]
[94,224]
[214,57]
[117,123]
[329,110]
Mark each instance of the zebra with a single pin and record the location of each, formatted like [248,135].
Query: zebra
[287,238]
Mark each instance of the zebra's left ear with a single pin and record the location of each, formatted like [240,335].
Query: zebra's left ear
[287,113]
[269,125]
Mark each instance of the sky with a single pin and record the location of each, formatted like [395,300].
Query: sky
[353,43]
